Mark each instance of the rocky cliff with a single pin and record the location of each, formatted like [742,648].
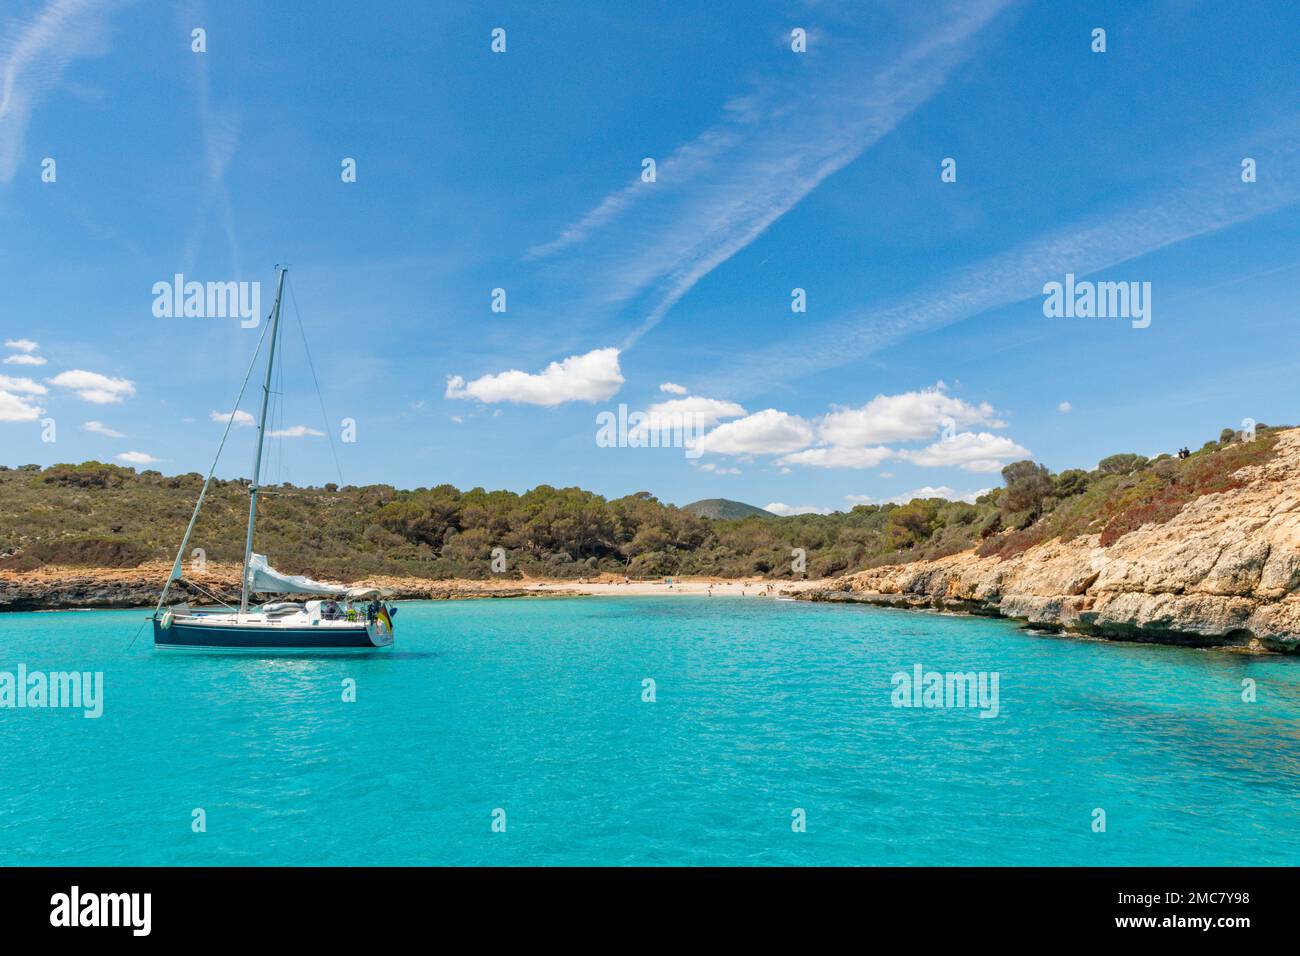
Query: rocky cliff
[1224,571]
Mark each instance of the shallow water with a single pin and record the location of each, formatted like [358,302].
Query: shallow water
[535,707]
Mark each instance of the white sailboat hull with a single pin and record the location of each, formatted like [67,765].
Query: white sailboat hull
[257,631]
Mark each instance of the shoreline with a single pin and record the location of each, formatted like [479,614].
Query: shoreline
[56,588]
[1063,627]
[1222,570]
[91,589]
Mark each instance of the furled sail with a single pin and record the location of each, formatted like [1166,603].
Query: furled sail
[267,580]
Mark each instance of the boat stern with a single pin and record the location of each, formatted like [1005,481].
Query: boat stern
[380,632]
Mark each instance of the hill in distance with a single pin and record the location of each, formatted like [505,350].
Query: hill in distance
[101,515]
[725,509]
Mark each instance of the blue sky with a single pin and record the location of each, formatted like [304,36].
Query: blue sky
[923,360]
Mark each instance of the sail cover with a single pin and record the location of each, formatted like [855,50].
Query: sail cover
[267,580]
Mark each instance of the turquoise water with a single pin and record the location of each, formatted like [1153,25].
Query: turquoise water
[535,707]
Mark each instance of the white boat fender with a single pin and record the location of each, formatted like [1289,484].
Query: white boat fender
[166,620]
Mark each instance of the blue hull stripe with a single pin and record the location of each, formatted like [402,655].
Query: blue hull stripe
[184,635]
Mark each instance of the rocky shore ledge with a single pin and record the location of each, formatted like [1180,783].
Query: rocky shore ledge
[1224,572]
[67,588]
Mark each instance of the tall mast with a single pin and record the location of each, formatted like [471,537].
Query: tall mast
[245,588]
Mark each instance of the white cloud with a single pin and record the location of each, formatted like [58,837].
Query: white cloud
[1120,232]
[22,386]
[99,428]
[785,510]
[719,469]
[839,457]
[15,409]
[673,388]
[34,52]
[768,432]
[24,349]
[93,387]
[981,452]
[1065,408]
[691,415]
[295,431]
[842,435]
[717,193]
[943,491]
[906,417]
[136,458]
[710,411]
[241,417]
[220,127]
[592,377]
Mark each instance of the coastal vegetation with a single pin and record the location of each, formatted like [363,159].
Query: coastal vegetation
[104,515]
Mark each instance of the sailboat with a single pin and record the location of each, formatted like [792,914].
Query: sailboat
[333,616]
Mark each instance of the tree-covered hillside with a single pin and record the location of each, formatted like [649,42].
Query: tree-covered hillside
[109,516]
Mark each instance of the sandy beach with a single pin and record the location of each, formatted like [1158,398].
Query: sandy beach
[84,587]
[689,587]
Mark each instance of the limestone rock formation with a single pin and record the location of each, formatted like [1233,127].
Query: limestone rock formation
[1224,571]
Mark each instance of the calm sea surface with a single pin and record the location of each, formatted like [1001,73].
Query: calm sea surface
[535,707]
